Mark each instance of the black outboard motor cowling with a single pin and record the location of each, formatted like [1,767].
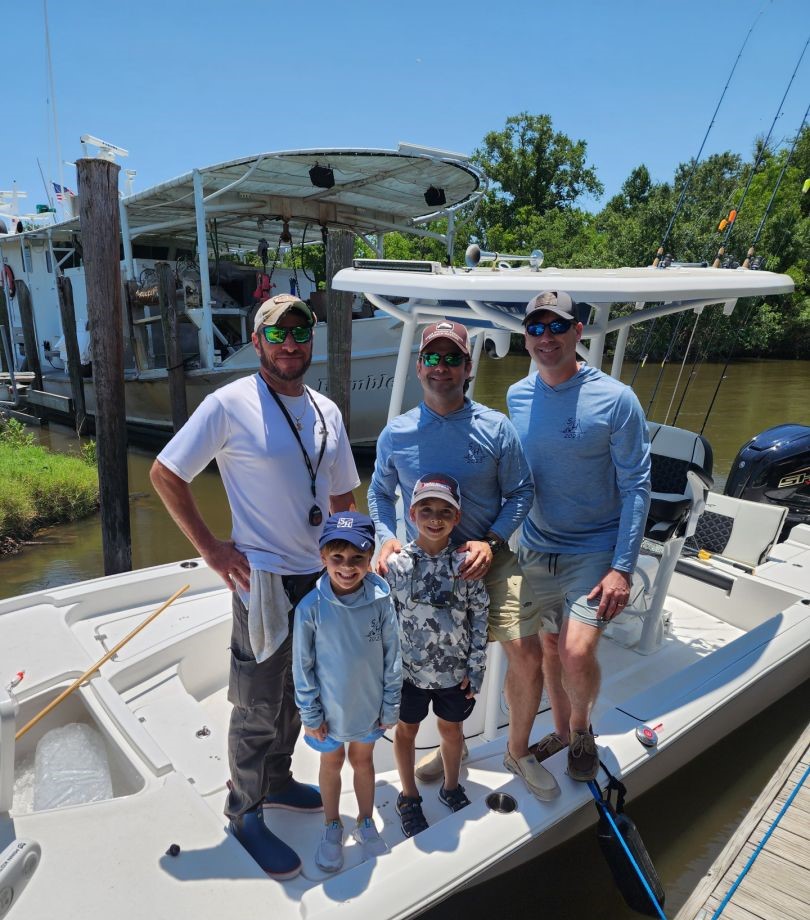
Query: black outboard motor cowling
[774,467]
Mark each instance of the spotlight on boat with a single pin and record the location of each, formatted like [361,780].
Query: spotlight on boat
[321,176]
[435,197]
[536,259]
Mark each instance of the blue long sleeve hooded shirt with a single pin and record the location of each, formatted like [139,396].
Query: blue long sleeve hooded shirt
[476,445]
[587,443]
[347,667]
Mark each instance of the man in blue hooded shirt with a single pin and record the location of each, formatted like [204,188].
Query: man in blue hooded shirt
[586,440]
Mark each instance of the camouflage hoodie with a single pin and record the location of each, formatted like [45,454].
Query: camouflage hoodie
[442,618]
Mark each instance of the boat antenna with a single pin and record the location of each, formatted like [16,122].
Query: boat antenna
[696,160]
[752,249]
[59,167]
[763,147]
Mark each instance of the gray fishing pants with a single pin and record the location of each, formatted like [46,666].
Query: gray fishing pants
[264,723]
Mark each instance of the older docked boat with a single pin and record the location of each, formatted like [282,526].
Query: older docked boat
[708,642]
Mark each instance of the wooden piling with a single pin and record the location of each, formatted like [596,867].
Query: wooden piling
[29,333]
[101,240]
[167,292]
[64,290]
[339,253]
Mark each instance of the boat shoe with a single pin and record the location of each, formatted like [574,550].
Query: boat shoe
[329,855]
[547,746]
[367,835]
[540,782]
[583,757]
[275,858]
[295,797]
[431,767]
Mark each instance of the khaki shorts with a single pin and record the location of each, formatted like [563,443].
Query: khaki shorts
[513,612]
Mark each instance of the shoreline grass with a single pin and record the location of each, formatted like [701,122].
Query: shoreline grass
[39,488]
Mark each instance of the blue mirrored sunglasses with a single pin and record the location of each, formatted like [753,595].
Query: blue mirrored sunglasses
[555,327]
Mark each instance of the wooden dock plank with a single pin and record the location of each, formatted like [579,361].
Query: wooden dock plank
[777,884]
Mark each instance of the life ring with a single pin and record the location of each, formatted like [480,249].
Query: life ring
[11,286]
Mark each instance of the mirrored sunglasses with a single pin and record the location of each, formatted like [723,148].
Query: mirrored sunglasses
[432,359]
[555,327]
[277,335]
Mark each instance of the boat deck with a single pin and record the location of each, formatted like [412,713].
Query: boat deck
[777,883]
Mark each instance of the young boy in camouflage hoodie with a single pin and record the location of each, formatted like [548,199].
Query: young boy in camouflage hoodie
[443,637]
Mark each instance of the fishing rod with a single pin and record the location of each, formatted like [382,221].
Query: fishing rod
[725,366]
[683,365]
[642,355]
[752,248]
[700,357]
[695,162]
[764,146]
[663,363]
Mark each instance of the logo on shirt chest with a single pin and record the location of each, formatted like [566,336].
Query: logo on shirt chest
[374,633]
[571,429]
[474,454]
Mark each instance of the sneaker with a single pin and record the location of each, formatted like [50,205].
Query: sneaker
[431,766]
[273,855]
[329,855]
[547,746]
[583,758]
[411,818]
[295,797]
[454,799]
[367,835]
[540,782]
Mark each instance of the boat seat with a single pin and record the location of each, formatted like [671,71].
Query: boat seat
[736,529]
[681,476]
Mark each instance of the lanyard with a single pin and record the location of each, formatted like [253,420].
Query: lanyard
[312,472]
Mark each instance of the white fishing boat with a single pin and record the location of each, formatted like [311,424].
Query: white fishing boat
[202,223]
[705,645]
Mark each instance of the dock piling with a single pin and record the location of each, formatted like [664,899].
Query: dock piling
[99,221]
[339,253]
[167,292]
[29,333]
[64,290]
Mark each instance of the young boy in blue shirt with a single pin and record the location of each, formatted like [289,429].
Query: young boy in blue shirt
[347,673]
[443,633]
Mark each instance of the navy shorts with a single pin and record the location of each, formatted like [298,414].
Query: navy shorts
[449,703]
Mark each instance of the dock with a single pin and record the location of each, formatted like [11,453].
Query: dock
[764,871]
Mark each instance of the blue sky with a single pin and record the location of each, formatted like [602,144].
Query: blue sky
[200,82]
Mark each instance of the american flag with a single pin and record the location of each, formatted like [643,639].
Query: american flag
[61,191]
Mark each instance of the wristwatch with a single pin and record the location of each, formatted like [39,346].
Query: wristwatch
[495,544]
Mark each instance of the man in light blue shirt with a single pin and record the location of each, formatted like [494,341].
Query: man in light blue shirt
[586,440]
[479,448]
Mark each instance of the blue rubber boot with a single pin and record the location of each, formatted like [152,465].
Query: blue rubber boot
[273,855]
[296,797]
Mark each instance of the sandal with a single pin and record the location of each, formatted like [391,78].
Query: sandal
[454,799]
[411,818]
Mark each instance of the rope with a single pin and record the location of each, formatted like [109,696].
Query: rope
[760,845]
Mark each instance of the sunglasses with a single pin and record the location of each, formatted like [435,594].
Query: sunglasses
[277,335]
[432,359]
[555,327]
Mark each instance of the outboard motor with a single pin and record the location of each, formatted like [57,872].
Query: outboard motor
[774,467]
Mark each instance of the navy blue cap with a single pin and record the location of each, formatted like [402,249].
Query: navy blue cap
[357,528]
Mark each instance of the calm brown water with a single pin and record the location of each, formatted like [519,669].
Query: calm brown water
[685,821]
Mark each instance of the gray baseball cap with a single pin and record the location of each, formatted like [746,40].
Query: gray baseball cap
[554,302]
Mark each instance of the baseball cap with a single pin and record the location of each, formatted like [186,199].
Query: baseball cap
[554,302]
[437,485]
[446,330]
[353,526]
[271,311]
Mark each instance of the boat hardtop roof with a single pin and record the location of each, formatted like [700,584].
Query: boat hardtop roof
[431,281]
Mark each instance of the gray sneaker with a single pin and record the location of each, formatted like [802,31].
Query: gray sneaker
[583,757]
[540,782]
[547,746]
[367,835]
[329,855]
[431,767]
